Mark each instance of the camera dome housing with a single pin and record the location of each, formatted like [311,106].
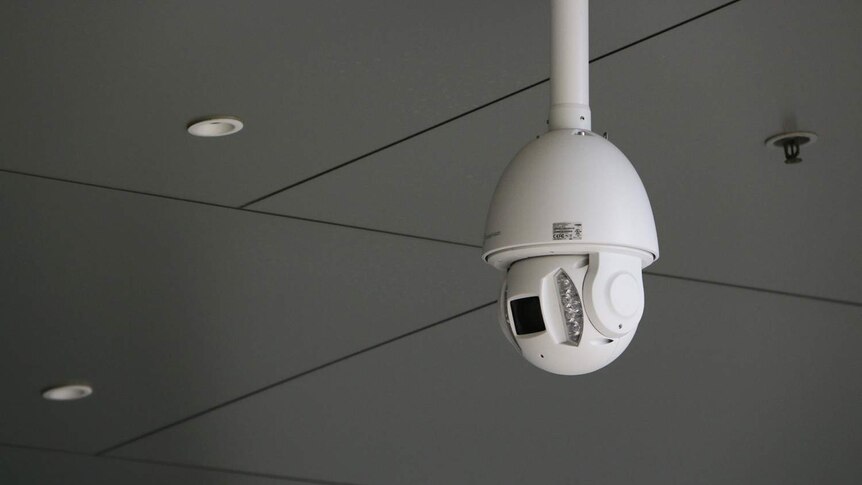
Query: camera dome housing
[569,192]
[571,224]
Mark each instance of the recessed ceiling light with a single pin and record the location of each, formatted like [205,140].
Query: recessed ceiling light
[70,392]
[219,126]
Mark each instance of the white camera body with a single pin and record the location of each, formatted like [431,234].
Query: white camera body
[571,224]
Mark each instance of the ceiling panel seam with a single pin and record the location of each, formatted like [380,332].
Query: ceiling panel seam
[117,189]
[665,30]
[222,206]
[413,236]
[361,228]
[232,471]
[157,463]
[394,143]
[288,379]
[421,329]
[43,449]
[823,299]
[477,108]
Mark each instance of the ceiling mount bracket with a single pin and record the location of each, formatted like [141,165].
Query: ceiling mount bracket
[790,142]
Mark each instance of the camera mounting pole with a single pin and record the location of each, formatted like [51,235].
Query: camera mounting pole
[570,65]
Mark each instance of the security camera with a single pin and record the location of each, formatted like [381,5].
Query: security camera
[571,224]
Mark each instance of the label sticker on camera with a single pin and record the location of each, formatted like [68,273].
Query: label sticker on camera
[568,231]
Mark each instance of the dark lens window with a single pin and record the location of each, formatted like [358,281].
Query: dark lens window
[527,314]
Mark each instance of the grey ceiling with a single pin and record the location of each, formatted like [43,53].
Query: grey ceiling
[99,91]
[172,307]
[341,331]
[691,108]
[719,387]
[28,466]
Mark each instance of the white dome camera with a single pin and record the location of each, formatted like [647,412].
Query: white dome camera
[571,224]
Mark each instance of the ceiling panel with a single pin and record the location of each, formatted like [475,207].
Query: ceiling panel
[721,385]
[691,108]
[101,91]
[29,467]
[436,185]
[170,308]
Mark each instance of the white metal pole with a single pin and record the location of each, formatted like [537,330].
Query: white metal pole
[570,65]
